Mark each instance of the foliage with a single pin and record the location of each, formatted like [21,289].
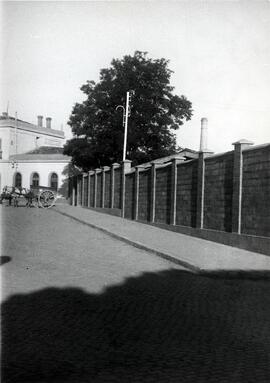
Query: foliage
[154,114]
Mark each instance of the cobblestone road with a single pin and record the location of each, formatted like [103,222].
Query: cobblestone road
[80,307]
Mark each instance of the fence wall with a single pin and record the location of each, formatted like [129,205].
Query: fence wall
[218,192]
[186,194]
[256,192]
[226,193]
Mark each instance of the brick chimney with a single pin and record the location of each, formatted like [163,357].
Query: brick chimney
[203,141]
[48,123]
[40,121]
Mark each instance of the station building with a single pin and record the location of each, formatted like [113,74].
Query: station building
[31,154]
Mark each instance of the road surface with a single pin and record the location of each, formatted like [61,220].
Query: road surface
[79,306]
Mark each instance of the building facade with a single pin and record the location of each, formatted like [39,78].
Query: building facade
[31,154]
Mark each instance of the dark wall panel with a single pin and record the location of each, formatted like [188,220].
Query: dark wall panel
[218,192]
[256,192]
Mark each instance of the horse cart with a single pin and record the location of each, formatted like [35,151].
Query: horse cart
[37,196]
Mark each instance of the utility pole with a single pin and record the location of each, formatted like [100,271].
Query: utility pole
[126,114]
[126,126]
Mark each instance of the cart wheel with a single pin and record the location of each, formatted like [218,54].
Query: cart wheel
[46,199]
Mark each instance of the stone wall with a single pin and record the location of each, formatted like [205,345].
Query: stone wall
[163,195]
[256,192]
[218,192]
[99,190]
[107,194]
[130,196]
[144,195]
[117,188]
[225,193]
[186,195]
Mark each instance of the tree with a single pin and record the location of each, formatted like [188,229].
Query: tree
[155,113]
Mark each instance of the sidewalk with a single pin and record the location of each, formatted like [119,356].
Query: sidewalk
[198,255]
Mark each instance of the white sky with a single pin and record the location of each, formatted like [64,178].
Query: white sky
[219,52]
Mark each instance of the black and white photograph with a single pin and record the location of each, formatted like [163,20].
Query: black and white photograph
[135,191]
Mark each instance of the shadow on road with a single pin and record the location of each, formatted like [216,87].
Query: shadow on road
[170,326]
[239,274]
[4,259]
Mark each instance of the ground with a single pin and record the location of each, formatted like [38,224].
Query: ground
[79,306]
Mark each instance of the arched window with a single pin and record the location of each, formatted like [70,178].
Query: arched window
[18,180]
[35,179]
[54,181]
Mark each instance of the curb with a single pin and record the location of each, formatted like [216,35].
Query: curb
[194,269]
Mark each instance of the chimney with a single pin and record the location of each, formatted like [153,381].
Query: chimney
[40,121]
[203,141]
[48,123]
[5,114]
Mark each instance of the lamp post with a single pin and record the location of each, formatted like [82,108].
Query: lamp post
[126,114]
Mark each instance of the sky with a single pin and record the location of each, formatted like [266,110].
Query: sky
[219,52]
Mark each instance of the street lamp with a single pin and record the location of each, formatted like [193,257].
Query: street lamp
[126,114]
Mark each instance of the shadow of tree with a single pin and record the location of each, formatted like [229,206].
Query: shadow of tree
[4,259]
[170,326]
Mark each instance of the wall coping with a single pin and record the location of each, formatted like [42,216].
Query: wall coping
[161,166]
[224,154]
[115,165]
[187,162]
[256,147]
[145,169]
[131,171]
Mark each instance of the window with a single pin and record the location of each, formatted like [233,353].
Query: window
[18,180]
[54,181]
[35,179]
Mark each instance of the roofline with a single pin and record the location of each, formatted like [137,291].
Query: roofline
[32,128]
[34,161]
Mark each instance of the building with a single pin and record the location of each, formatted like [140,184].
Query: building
[31,154]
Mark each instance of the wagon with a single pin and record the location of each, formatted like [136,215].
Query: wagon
[39,196]
[44,196]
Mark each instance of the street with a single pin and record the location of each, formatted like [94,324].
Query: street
[79,306]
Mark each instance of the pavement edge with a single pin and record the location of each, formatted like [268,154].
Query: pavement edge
[136,244]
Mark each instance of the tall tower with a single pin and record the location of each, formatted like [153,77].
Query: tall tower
[204,127]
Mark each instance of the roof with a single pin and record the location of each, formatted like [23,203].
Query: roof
[43,153]
[189,154]
[47,150]
[23,125]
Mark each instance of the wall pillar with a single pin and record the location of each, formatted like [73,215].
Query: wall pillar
[136,194]
[79,197]
[103,186]
[83,182]
[95,187]
[237,184]
[89,191]
[200,187]
[73,191]
[176,160]
[114,165]
[126,165]
[153,192]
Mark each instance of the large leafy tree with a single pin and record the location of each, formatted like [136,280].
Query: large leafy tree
[155,113]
